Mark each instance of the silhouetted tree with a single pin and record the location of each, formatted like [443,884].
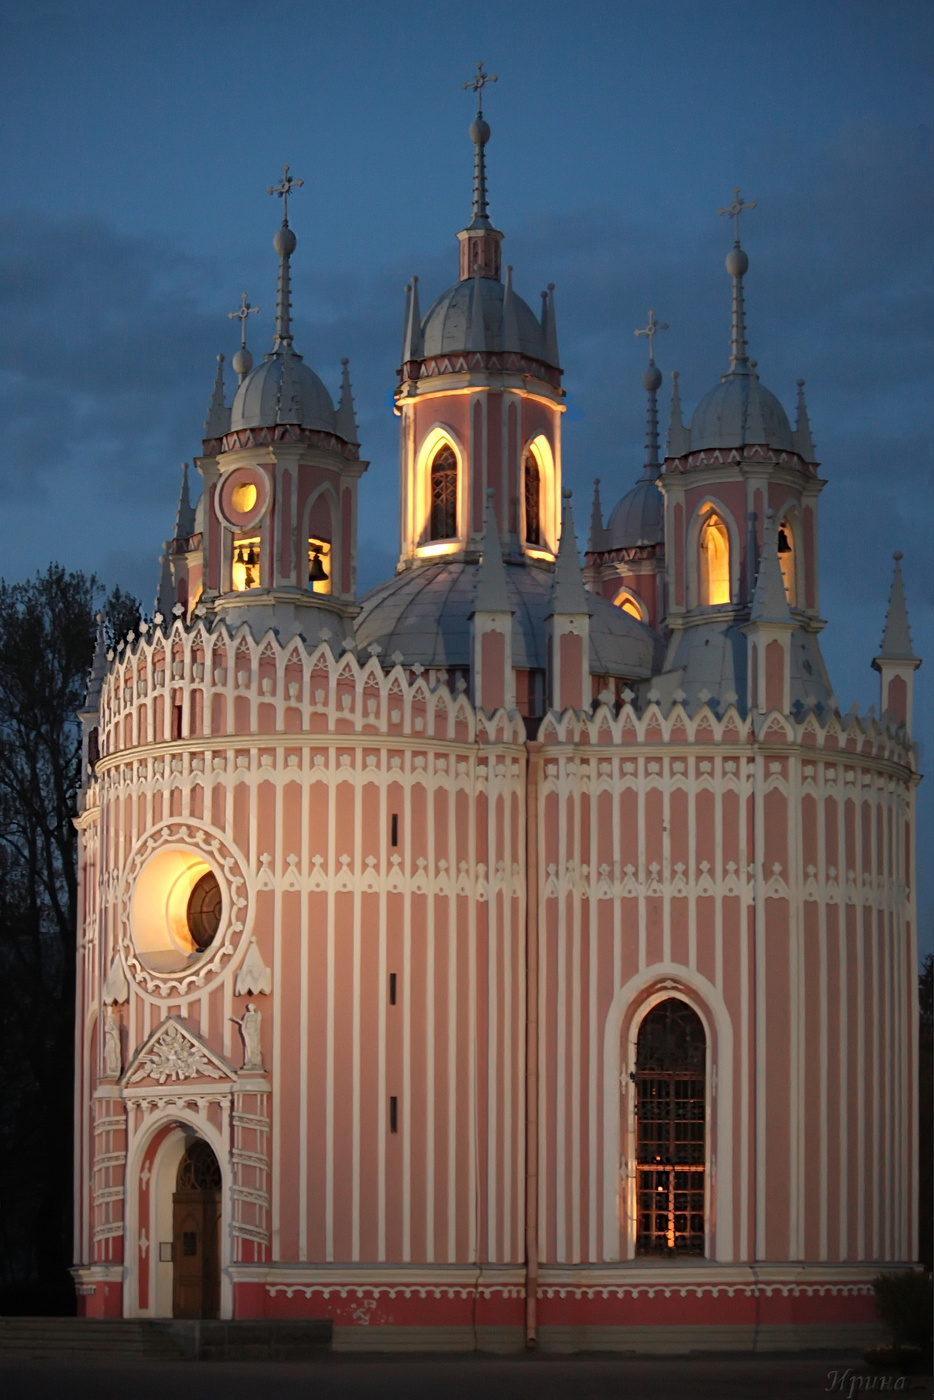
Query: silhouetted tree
[47,633]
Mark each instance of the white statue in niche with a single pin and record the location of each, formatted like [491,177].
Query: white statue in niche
[113,1054]
[250,1025]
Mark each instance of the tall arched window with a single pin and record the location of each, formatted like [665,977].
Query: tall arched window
[670,1080]
[532,484]
[786,559]
[714,562]
[443,518]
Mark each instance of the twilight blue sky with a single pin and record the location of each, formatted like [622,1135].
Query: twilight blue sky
[139,141]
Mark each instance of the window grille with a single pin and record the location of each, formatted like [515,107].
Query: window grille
[443,523]
[671,1115]
[533,491]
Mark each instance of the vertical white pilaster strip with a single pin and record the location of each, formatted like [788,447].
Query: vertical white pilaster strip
[357,868]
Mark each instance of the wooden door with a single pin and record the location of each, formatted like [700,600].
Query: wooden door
[196,1209]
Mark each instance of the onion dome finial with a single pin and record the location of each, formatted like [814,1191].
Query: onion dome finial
[480,135]
[242,360]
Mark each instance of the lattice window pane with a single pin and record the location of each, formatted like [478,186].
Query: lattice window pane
[443,522]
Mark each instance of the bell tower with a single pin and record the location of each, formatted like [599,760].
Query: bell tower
[480,403]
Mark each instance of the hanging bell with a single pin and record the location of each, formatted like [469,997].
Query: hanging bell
[317,572]
[783,545]
[252,558]
[239,555]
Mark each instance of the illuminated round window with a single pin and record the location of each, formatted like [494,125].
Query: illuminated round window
[176,909]
[243,497]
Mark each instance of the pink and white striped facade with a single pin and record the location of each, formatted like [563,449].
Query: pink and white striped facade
[534,889]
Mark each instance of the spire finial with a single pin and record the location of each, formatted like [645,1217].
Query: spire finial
[217,422]
[284,188]
[737,265]
[242,360]
[480,135]
[650,331]
[284,244]
[896,635]
[651,382]
[739,206]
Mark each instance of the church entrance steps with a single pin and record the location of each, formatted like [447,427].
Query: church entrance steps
[160,1339]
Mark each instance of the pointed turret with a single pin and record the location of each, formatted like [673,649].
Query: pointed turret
[595,541]
[549,325]
[412,342]
[491,623]
[345,418]
[678,440]
[769,599]
[510,321]
[896,661]
[804,443]
[89,713]
[185,514]
[217,422]
[165,593]
[768,631]
[568,624]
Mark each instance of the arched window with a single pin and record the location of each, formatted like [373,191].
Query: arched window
[786,559]
[670,1078]
[714,562]
[532,483]
[443,519]
[629,603]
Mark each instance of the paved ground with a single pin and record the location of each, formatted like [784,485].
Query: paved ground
[447,1378]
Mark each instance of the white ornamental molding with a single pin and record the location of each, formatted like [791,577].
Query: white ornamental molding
[116,989]
[229,868]
[254,977]
[173,1054]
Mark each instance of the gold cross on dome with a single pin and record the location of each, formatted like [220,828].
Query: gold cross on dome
[650,332]
[284,188]
[739,206]
[479,83]
[242,312]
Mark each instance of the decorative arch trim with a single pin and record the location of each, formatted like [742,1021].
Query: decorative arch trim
[631,602]
[439,436]
[541,450]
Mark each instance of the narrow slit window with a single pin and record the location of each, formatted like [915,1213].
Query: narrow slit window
[393,1114]
[714,563]
[394,829]
[443,520]
[392,989]
[176,721]
[532,482]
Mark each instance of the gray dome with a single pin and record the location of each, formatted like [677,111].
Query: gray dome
[638,519]
[469,316]
[737,411]
[423,615]
[282,389]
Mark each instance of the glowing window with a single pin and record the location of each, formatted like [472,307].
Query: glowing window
[243,497]
[630,604]
[714,563]
[245,570]
[319,565]
[532,483]
[670,1079]
[175,910]
[443,518]
[786,559]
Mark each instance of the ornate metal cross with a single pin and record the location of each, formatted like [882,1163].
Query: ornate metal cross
[242,312]
[650,332]
[284,188]
[739,206]
[479,83]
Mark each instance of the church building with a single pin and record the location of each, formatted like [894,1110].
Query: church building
[523,952]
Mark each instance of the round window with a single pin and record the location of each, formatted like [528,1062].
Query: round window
[176,909]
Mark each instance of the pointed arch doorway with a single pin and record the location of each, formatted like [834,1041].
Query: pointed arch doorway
[196,1215]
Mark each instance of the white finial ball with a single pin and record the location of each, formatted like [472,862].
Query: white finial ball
[479,131]
[652,378]
[737,264]
[284,241]
[242,362]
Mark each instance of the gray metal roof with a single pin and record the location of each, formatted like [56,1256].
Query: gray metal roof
[423,614]
[469,316]
[282,389]
[638,519]
[737,411]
